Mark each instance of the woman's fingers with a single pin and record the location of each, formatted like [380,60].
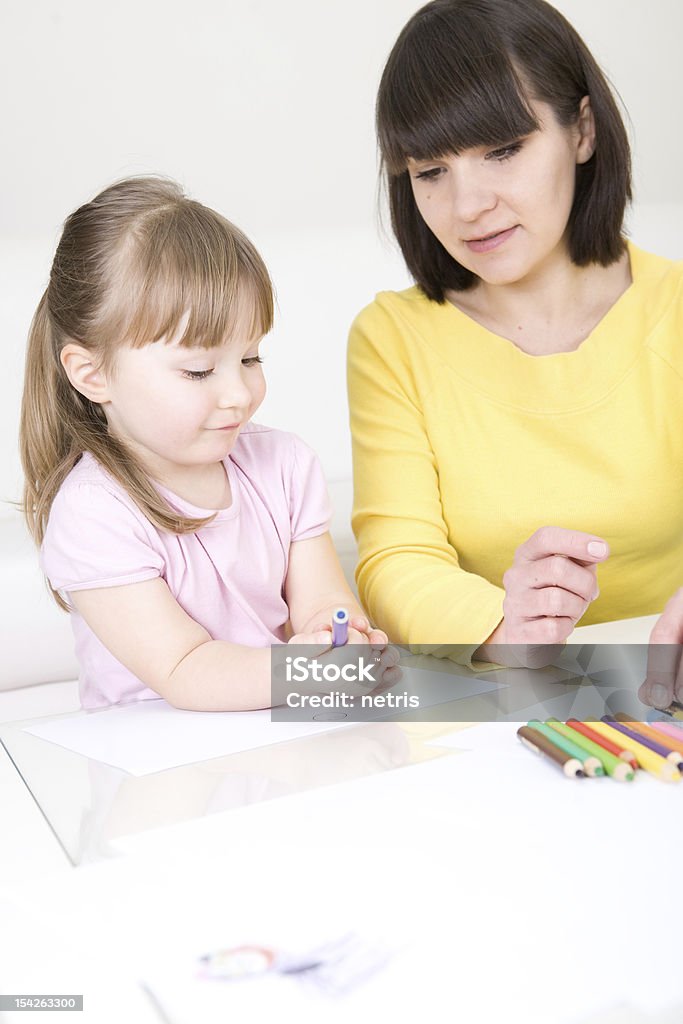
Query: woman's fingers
[550,584]
[583,547]
[664,678]
[552,602]
[555,571]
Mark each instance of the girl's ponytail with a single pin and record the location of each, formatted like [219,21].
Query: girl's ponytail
[45,436]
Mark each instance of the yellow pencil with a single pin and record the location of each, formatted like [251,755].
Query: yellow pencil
[647,759]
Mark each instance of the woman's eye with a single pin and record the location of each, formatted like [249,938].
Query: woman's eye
[197,374]
[252,361]
[431,174]
[505,152]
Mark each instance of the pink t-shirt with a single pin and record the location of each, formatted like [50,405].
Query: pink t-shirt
[228,576]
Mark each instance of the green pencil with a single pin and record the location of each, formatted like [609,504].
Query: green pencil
[591,765]
[614,766]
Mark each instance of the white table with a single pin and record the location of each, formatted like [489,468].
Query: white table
[444,852]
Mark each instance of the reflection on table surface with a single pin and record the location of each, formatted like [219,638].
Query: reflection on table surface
[89,804]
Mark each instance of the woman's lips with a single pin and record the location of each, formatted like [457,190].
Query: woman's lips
[491,241]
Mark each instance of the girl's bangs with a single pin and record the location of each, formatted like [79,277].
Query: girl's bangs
[441,96]
[198,271]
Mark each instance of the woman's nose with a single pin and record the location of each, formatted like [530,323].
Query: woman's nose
[471,196]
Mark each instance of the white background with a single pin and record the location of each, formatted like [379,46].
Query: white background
[263,110]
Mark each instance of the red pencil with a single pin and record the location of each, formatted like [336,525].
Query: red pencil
[613,748]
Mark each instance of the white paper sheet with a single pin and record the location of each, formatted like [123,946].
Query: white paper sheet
[152,736]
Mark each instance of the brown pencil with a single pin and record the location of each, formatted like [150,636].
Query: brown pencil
[540,744]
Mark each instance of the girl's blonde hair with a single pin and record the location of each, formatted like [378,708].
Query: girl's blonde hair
[128,268]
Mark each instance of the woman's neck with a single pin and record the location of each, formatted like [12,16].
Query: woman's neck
[551,312]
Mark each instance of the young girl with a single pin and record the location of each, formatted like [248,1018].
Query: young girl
[183,538]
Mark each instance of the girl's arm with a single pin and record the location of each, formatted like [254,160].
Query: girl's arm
[316,586]
[146,629]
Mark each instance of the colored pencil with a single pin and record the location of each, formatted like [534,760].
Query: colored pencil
[676,711]
[667,729]
[658,748]
[603,741]
[615,767]
[647,759]
[540,744]
[675,745]
[591,765]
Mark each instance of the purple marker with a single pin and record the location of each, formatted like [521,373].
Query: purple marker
[340,627]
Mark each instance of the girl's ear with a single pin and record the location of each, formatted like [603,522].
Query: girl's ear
[586,126]
[83,372]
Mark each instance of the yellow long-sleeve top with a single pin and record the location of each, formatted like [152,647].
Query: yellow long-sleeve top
[463,446]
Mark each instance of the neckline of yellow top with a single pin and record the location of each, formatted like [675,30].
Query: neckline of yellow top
[563,381]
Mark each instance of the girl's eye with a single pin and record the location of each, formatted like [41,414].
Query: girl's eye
[197,374]
[505,152]
[431,174]
[252,361]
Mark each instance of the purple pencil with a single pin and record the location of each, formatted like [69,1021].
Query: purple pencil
[657,748]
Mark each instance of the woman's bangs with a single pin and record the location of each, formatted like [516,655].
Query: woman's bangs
[452,102]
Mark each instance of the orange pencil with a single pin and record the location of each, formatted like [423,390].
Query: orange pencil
[675,746]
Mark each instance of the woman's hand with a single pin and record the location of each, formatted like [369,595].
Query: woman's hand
[550,584]
[664,680]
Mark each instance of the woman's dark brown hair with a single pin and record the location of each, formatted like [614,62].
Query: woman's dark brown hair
[461,74]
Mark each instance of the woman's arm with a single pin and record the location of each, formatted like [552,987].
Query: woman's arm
[409,577]
[409,574]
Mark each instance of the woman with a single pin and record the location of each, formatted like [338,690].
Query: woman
[516,415]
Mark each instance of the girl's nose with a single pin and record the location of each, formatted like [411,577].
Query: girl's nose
[234,393]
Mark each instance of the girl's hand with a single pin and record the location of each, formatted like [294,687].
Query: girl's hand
[664,680]
[550,584]
[387,673]
[374,637]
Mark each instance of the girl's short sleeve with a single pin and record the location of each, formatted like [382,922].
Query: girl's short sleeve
[310,506]
[94,538]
